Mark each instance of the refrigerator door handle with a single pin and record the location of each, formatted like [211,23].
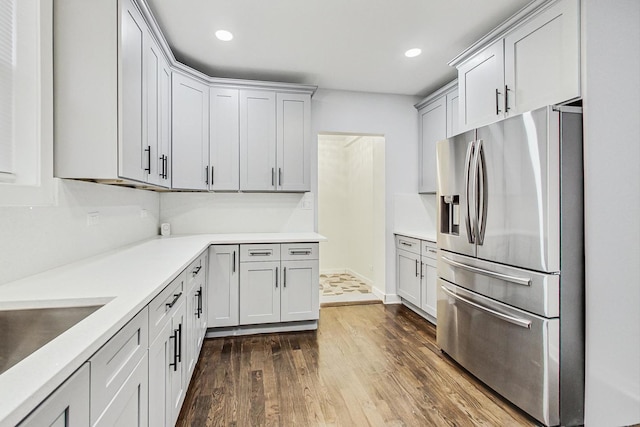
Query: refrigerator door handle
[481,191]
[513,320]
[467,173]
[524,281]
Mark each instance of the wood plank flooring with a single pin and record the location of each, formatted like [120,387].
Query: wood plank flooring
[367,365]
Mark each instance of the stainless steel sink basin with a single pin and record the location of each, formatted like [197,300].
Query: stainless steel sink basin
[24,331]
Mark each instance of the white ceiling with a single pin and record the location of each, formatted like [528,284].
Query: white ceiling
[336,44]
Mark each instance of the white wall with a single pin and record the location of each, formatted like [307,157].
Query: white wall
[612,210]
[392,116]
[38,238]
[190,213]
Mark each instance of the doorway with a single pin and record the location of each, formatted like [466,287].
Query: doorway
[351,214]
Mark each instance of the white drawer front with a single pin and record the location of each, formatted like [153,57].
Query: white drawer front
[299,251]
[197,268]
[429,249]
[162,306]
[260,252]
[408,244]
[116,360]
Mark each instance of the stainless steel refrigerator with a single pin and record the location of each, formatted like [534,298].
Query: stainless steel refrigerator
[511,259]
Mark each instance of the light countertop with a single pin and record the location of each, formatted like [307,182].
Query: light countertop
[431,237]
[125,280]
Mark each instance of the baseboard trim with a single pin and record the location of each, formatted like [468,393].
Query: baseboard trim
[235,331]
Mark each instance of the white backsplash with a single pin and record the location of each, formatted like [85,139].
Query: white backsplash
[415,213]
[190,213]
[87,219]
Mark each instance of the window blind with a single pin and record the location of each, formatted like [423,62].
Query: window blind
[7,66]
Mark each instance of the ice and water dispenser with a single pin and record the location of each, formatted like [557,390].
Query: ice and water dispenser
[450,215]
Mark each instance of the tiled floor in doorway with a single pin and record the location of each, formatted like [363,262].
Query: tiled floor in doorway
[343,287]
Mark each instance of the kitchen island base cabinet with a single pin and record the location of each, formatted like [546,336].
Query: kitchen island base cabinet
[67,406]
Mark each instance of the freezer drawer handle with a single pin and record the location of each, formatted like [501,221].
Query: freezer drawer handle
[514,320]
[513,279]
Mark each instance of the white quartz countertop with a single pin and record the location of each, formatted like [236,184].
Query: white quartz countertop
[125,280]
[431,237]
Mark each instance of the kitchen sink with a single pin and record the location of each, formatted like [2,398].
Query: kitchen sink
[24,331]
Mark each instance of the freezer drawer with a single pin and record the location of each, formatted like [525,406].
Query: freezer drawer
[528,290]
[513,352]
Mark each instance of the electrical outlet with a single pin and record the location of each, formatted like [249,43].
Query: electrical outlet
[93,218]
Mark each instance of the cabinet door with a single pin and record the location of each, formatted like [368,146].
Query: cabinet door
[132,155]
[190,130]
[224,139]
[481,87]
[259,292]
[429,275]
[542,59]
[257,141]
[300,293]
[130,406]
[164,125]
[178,373]
[223,286]
[161,353]
[408,276]
[453,114]
[293,131]
[67,406]
[151,108]
[433,128]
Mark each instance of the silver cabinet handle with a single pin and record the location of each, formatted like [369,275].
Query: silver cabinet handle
[422,270]
[524,281]
[273,176]
[280,177]
[402,242]
[416,268]
[148,151]
[206,175]
[212,169]
[514,320]
[497,97]
[506,98]
[284,277]
[262,253]
[176,297]
[305,252]
[233,263]
[433,251]
[276,277]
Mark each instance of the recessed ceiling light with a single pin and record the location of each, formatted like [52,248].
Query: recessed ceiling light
[224,35]
[413,52]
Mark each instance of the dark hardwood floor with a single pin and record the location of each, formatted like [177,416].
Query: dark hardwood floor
[366,365]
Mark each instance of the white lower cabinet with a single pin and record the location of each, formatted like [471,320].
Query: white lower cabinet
[119,376]
[223,292]
[279,283]
[416,274]
[196,311]
[67,406]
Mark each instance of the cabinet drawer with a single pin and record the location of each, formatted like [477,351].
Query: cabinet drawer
[161,308]
[408,244]
[299,251]
[116,360]
[260,252]
[197,268]
[429,249]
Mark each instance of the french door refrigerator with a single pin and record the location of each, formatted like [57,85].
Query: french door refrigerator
[511,259]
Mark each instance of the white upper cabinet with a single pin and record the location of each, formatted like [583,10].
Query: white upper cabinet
[481,86]
[535,61]
[257,140]
[224,139]
[133,158]
[108,94]
[433,127]
[293,112]
[275,141]
[437,120]
[190,129]
[164,136]
[542,59]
